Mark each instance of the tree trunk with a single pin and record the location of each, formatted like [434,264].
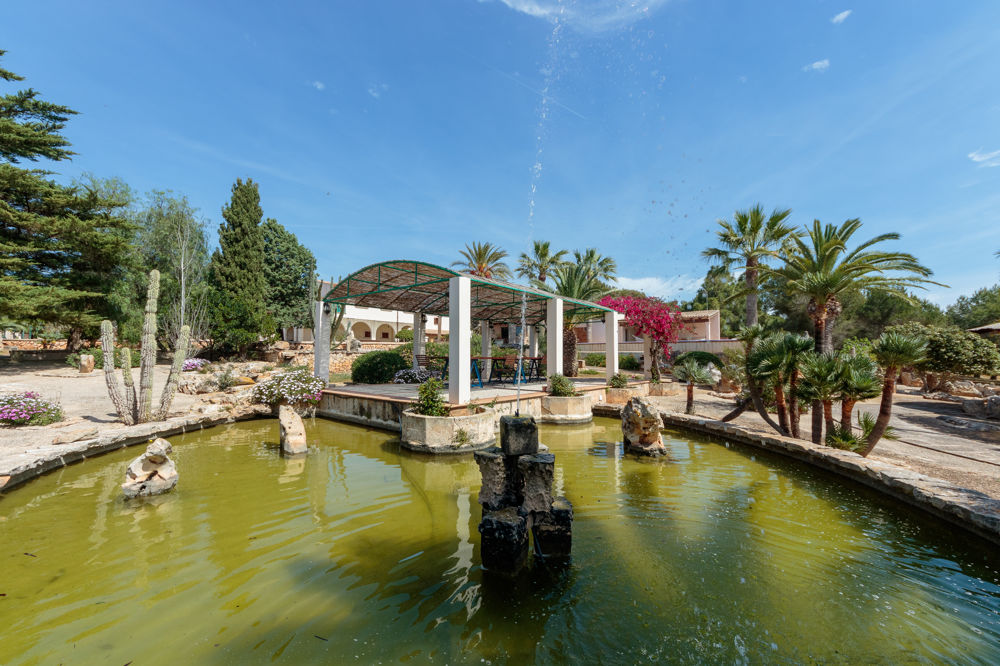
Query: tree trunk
[758,404]
[689,407]
[779,401]
[793,404]
[654,367]
[833,310]
[817,422]
[846,410]
[750,275]
[75,341]
[884,410]
[828,416]
[740,408]
[817,312]
[569,353]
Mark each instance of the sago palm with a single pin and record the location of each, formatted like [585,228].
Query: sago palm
[540,262]
[821,381]
[746,242]
[575,281]
[859,381]
[692,372]
[893,351]
[484,260]
[819,266]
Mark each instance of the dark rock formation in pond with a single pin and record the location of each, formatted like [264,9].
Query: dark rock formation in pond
[641,424]
[293,431]
[151,473]
[516,496]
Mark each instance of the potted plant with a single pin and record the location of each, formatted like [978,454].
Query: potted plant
[619,392]
[564,404]
[431,426]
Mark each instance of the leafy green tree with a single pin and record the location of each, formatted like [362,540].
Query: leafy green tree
[776,359]
[746,242]
[951,351]
[484,260]
[60,247]
[540,262]
[289,270]
[719,291]
[893,351]
[859,381]
[982,308]
[822,376]
[240,291]
[692,372]
[573,281]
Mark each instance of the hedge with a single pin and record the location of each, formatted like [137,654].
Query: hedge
[377,367]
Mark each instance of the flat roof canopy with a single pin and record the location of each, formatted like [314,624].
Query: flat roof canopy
[416,286]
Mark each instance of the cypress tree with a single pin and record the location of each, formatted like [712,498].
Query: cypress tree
[239,315]
[289,269]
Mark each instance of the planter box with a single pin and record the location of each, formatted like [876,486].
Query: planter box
[619,396]
[568,409]
[663,389]
[449,434]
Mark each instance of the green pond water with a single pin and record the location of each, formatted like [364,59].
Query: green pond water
[361,553]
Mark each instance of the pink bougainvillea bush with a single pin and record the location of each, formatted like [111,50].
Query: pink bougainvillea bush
[27,408]
[653,319]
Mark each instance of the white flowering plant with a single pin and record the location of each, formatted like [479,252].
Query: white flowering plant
[297,388]
[411,376]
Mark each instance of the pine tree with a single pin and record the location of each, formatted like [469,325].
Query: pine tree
[239,315]
[289,270]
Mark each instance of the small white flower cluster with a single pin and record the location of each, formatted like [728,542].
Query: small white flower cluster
[411,376]
[297,387]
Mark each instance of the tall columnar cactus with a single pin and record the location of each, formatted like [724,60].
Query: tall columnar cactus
[137,407]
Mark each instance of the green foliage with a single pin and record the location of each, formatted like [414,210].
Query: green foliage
[561,386]
[628,362]
[701,357]
[595,360]
[462,437]
[429,400]
[405,335]
[822,376]
[377,367]
[484,260]
[295,388]
[289,276]
[982,308]
[867,314]
[98,354]
[430,349]
[692,372]
[238,304]
[846,439]
[857,347]
[952,350]
[540,262]
[618,380]
[226,379]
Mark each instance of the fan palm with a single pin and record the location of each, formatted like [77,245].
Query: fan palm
[692,372]
[893,351]
[540,262]
[859,381]
[768,361]
[575,281]
[484,260]
[820,267]
[746,242]
[821,382]
[598,266]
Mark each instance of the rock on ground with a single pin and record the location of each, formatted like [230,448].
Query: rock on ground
[641,424]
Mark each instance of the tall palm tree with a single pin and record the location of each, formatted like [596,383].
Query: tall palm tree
[579,282]
[540,262]
[750,336]
[692,372]
[598,266]
[484,260]
[746,242]
[820,267]
[821,380]
[859,381]
[768,361]
[893,351]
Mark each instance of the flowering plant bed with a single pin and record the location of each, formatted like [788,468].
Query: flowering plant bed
[195,364]
[27,408]
[297,388]
[411,376]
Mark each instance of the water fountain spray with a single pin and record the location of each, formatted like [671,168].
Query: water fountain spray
[520,355]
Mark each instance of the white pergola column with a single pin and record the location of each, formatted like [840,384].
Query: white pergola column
[321,342]
[533,340]
[553,336]
[485,348]
[610,344]
[459,340]
[418,338]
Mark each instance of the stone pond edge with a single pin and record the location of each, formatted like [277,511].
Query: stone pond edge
[962,507]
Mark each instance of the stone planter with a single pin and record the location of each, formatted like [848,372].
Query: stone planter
[619,396]
[566,409]
[662,389]
[449,434]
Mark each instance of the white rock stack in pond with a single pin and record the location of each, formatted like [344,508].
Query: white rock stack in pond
[641,423]
[151,473]
[293,431]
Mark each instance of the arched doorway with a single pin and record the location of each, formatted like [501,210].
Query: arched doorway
[385,333]
[361,331]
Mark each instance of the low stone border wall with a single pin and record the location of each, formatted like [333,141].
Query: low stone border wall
[35,462]
[969,509]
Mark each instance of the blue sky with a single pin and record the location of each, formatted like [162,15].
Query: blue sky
[404,129]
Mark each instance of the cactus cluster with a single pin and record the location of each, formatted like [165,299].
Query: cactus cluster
[137,407]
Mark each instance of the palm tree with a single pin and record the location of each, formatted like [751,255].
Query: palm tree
[484,260]
[820,267]
[746,242]
[575,281]
[692,372]
[540,262]
[859,381]
[599,266]
[768,360]
[750,336]
[893,351]
[821,381]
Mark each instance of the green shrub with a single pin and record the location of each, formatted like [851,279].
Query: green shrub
[225,380]
[377,367]
[98,354]
[430,349]
[429,400]
[595,360]
[628,362]
[700,357]
[405,335]
[618,380]
[952,350]
[561,386]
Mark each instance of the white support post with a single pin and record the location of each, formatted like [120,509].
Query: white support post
[611,344]
[485,348]
[554,336]
[459,340]
[533,341]
[321,342]
[418,337]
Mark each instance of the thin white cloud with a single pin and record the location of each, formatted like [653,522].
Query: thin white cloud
[818,66]
[591,16]
[376,89]
[318,85]
[841,17]
[985,159]
[679,287]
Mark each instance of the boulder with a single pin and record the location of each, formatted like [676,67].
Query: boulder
[86,363]
[152,473]
[984,408]
[495,492]
[293,431]
[196,383]
[553,530]
[907,378]
[962,388]
[243,381]
[504,541]
[518,435]
[641,423]
[282,345]
[537,473]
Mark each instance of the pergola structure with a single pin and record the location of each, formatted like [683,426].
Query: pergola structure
[426,289]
